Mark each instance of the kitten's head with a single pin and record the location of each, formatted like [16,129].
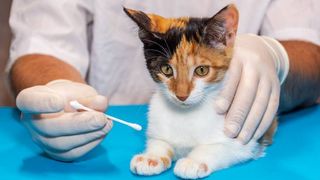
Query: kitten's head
[187,57]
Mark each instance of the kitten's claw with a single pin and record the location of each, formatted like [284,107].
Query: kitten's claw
[187,168]
[144,164]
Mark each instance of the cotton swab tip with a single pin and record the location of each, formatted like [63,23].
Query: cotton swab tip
[136,127]
[76,105]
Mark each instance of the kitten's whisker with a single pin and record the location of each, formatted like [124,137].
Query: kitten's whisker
[158,45]
[155,50]
[152,57]
[166,51]
[168,47]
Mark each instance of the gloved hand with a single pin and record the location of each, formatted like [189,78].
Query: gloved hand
[251,90]
[63,133]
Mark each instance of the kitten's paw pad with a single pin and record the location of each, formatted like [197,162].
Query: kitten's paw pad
[144,164]
[187,168]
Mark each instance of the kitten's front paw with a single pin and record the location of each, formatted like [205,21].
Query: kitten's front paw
[187,168]
[144,164]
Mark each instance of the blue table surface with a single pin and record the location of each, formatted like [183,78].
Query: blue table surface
[294,155]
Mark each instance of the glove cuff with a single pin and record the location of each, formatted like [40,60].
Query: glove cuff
[281,59]
[57,81]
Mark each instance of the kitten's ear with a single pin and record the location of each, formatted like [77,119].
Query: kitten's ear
[140,18]
[221,29]
[148,23]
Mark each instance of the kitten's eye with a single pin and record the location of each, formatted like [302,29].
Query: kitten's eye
[201,71]
[166,69]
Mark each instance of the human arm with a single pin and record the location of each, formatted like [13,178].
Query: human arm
[60,131]
[39,69]
[48,62]
[302,86]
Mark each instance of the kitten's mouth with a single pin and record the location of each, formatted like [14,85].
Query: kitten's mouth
[183,104]
[188,103]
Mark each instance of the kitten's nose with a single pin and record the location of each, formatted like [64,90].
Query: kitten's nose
[182,98]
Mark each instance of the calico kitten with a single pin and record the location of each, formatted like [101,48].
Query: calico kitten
[188,58]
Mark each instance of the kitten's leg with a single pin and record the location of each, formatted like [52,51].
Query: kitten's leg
[156,159]
[205,159]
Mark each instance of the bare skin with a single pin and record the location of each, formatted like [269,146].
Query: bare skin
[301,88]
[39,69]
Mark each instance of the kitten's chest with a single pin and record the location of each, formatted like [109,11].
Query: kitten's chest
[187,127]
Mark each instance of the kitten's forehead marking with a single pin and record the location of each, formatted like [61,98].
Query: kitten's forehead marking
[160,24]
[185,52]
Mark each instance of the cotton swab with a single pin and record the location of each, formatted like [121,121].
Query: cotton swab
[76,105]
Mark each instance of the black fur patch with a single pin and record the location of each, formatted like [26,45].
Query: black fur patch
[159,48]
[194,29]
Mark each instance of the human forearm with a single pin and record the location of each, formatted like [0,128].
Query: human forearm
[38,69]
[62,133]
[302,86]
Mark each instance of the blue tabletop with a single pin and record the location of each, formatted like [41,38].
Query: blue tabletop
[295,153]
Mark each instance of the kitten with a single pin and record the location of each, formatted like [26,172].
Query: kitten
[188,58]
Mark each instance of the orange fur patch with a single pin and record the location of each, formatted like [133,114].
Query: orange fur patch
[170,153]
[165,161]
[162,25]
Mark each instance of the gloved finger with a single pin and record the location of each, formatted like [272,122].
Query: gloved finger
[256,113]
[75,153]
[69,123]
[67,143]
[39,99]
[270,112]
[229,87]
[72,90]
[242,102]
[98,102]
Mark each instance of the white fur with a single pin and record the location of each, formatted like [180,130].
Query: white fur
[194,132]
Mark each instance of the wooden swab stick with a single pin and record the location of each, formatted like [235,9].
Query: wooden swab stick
[76,105]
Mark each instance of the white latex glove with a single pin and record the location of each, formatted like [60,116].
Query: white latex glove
[60,131]
[251,90]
